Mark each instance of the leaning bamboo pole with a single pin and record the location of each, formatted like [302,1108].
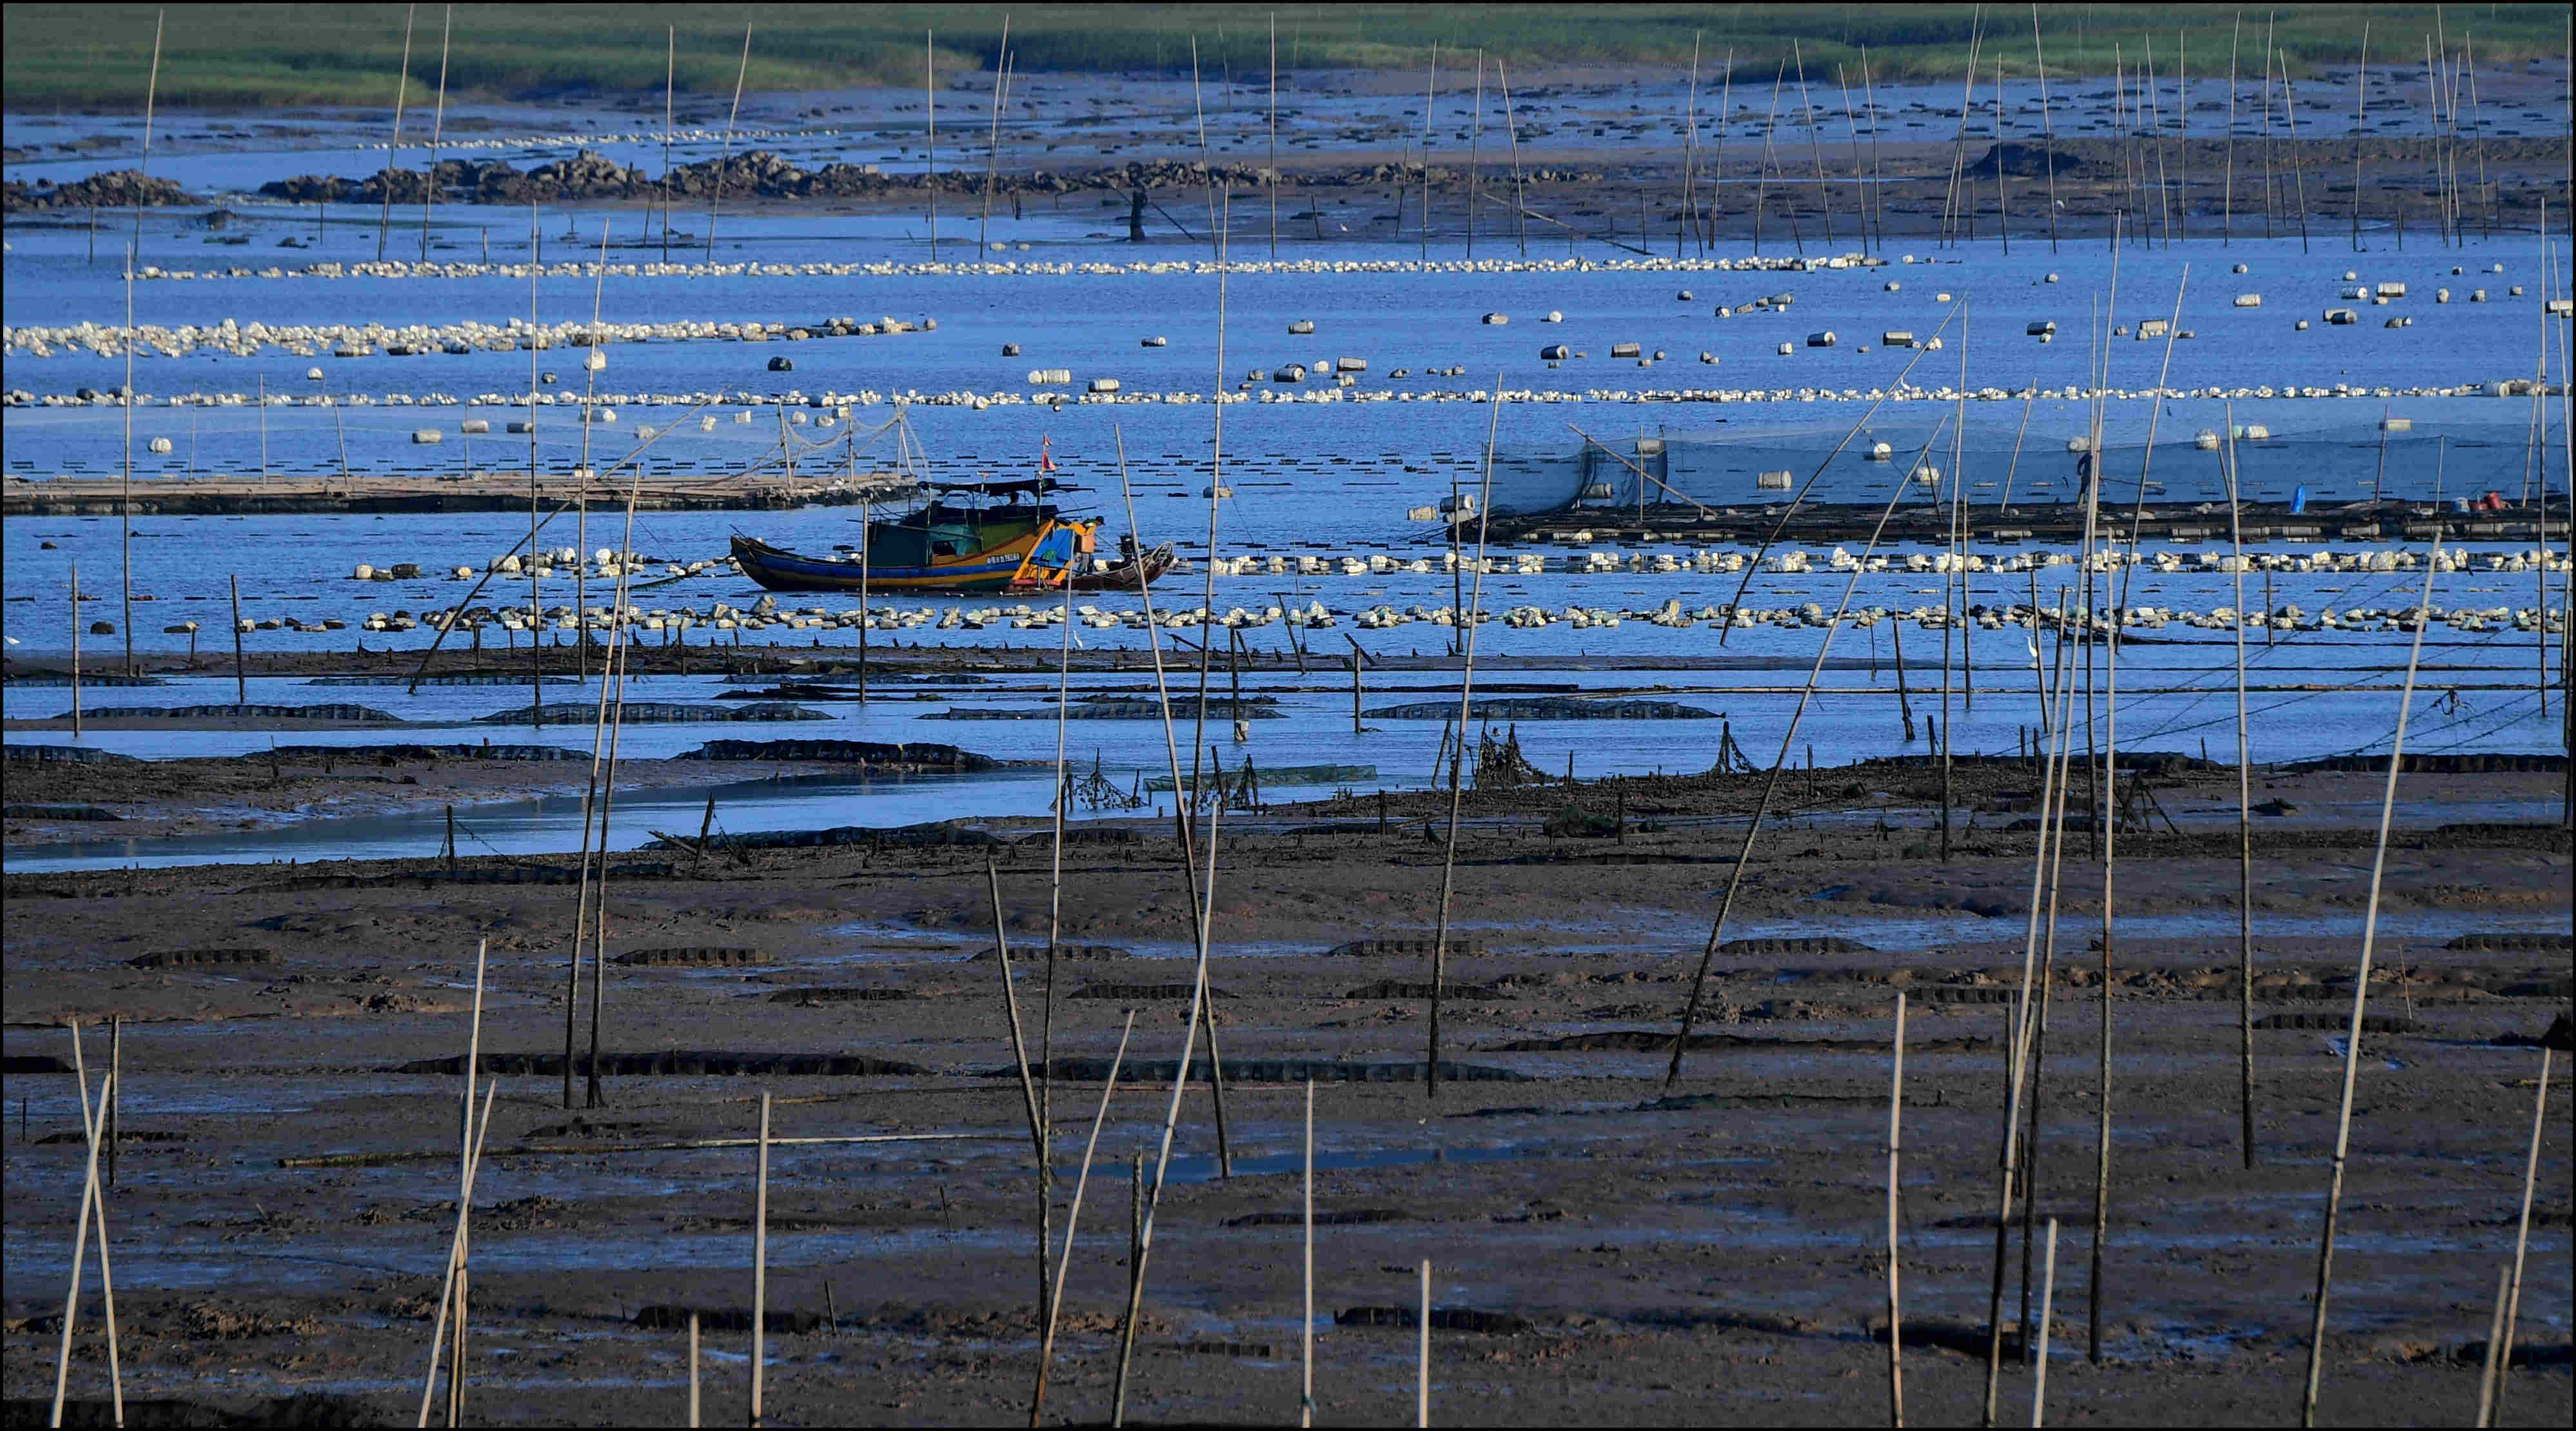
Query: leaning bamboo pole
[724,156]
[2244,815]
[1771,785]
[447,1299]
[621,644]
[930,112]
[2038,1060]
[2521,1233]
[1815,142]
[1895,1130]
[1020,1062]
[1466,690]
[92,1125]
[2047,1299]
[760,1262]
[2047,129]
[1306,1318]
[151,94]
[393,151]
[1072,1222]
[125,506]
[2361,994]
[2227,184]
[437,131]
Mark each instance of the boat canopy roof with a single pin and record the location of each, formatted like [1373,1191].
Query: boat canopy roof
[1024,486]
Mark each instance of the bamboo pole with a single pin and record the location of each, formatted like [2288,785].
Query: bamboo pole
[1895,1143]
[1306,1320]
[2047,129]
[1171,751]
[1762,177]
[1717,161]
[2361,996]
[1752,829]
[760,1262]
[693,1369]
[715,188]
[2360,109]
[670,105]
[455,1250]
[621,645]
[464,1192]
[2020,1070]
[1422,1352]
[1274,136]
[993,139]
[76,645]
[116,1087]
[2298,163]
[2521,1235]
[90,1130]
[125,507]
[930,110]
[536,605]
[1475,145]
[2047,1299]
[2495,1336]
[1020,1061]
[393,151]
[241,680]
[437,131]
[1851,122]
[2244,817]
[151,93]
[2038,1061]
[1815,141]
[1430,91]
[1073,1220]
[1512,127]
[2227,185]
[1466,690]
[1690,150]
[1950,207]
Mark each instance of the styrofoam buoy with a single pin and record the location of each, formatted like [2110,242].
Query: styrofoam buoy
[1157,341]
[742,419]
[1010,350]
[1555,352]
[474,426]
[313,374]
[595,360]
[1788,348]
[427,437]
[1496,320]
[362,572]
[1104,385]
[1555,317]
[782,364]
[1626,350]
[1301,327]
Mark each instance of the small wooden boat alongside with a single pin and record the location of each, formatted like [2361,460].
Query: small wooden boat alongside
[1130,572]
[969,537]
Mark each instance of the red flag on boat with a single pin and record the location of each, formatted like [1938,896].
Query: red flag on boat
[1046,462]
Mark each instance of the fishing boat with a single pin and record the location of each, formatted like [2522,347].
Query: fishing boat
[968,537]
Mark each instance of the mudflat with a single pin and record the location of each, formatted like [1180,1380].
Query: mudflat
[1605,1246]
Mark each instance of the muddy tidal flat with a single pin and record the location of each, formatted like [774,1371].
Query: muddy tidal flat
[1634,1250]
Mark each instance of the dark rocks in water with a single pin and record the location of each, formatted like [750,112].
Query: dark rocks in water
[34,1063]
[2033,161]
[115,189]
[501,874]
[1545,708]
[1063,951]
[679,1063]
[700,956]
[1443,1319]
[336,711]
[61,754]
[1573,822]
[1111,835]
[902,755]
[652,713]
[1405,948]
[1267,1070]
[2273,808]
[941,832]
[2503,763]
[57,812]
[2337,1023]
[179,958]
[1145,992]
[1820,944]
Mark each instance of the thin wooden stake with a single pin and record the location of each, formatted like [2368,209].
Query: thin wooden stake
[760,1261]
[2493,1369]
[91,1127]
[437,130]
[993,141]
[151,93]
[1306,1320]
[715,189]
[1466,690]
[2244,819]
[116,1089]
[2047,1301]
[2047,129]
[2522,1231]
[1072,1222]
[930,108]
[455,1251]
[2361,994]
[76,644]
[693,1369]
[1020,1061]
[1895,1142]
[393,151]
[1422,1353]
[125,506]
